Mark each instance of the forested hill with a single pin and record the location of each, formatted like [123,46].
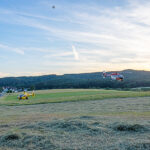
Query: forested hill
[133,78]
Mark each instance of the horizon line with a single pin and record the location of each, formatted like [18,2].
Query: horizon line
[70,73]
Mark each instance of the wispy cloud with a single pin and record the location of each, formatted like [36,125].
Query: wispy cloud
[104,37]
[13,49]
[76,54]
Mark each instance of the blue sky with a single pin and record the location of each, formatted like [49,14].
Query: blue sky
[77,36]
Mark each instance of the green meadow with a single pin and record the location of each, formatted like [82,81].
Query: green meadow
[74,119]
[69,95]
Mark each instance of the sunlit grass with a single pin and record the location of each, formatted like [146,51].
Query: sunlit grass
[69,95]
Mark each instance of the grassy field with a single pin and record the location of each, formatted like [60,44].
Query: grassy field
[84,120]
[68,95]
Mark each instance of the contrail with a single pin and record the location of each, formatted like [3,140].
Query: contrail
[76,55]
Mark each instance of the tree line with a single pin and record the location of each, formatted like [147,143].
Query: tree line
[133,78]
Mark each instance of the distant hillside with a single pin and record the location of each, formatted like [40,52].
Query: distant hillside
[133,78]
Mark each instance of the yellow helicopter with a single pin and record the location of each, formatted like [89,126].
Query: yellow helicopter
[26,95]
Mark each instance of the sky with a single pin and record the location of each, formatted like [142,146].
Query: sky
[76,36]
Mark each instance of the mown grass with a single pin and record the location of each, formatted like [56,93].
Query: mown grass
[56,96]
[120,114]
[111,124]
[82,132]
